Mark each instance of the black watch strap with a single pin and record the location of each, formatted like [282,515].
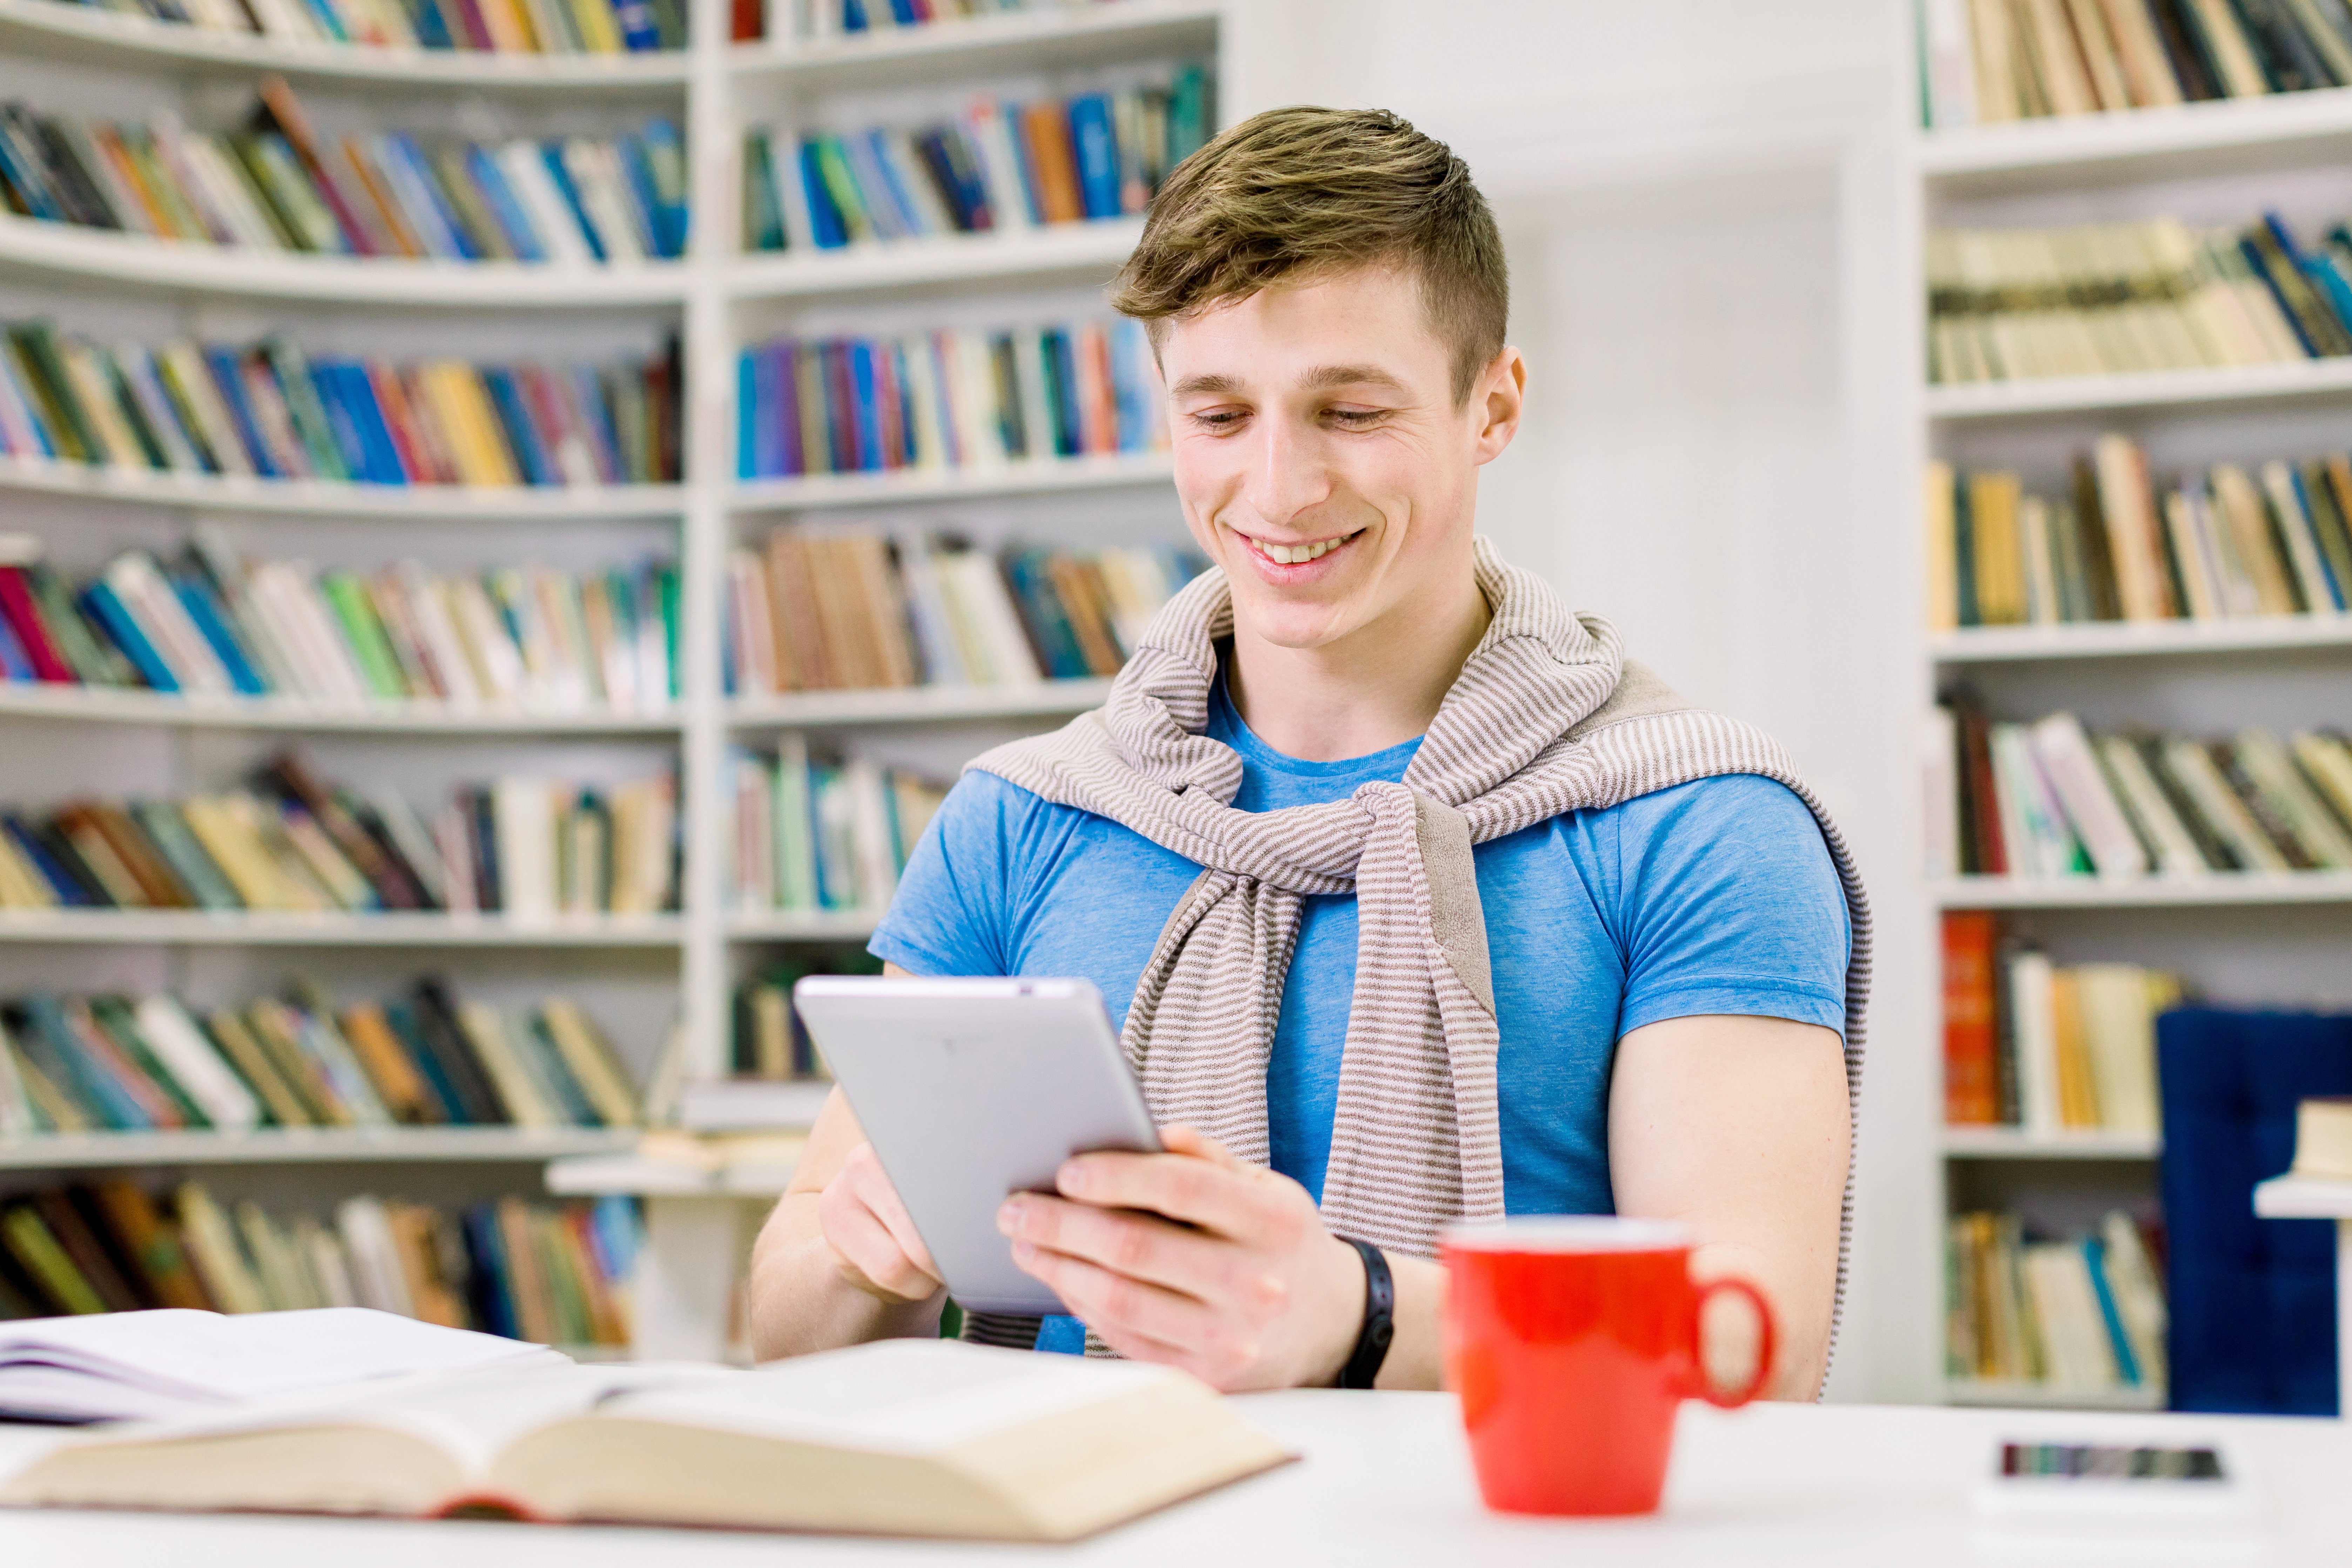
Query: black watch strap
[1380,1319]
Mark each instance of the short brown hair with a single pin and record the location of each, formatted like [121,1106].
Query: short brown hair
[1306,191]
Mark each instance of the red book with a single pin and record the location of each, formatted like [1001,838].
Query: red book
[1971,1032]
[25,619]
[750,24]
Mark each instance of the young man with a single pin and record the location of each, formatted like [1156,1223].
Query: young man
[1417,902]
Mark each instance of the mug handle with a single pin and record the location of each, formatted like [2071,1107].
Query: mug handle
[1764,1344]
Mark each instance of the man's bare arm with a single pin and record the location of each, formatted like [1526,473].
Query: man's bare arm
[838,1261]
[1738,1127]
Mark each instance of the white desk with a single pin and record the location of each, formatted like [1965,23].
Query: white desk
[1387,1481]
[2314,1197]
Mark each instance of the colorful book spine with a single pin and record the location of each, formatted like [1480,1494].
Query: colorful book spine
[274,185]
[827,610]
[996,166]
[265,410]
[946,400]
[525,846]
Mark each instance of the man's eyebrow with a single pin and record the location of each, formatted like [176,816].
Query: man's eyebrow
[1323,378]
[1211,385]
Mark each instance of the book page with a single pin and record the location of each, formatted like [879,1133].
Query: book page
[900,1396]
[210,1358]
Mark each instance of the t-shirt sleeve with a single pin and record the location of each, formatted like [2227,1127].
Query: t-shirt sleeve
[952,911]
[1728,903]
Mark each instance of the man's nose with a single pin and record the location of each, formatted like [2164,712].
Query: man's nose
[1286,475]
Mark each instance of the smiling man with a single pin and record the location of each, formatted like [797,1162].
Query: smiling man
[1416,901]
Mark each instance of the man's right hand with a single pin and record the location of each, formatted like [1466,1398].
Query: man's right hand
[872,1238]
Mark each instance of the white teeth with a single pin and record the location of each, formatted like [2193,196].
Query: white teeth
[1292,554]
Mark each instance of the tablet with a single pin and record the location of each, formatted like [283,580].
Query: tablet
[970,1090]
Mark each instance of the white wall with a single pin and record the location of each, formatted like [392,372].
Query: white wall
[1697,200]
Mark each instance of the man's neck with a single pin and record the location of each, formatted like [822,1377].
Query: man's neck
[1377,687]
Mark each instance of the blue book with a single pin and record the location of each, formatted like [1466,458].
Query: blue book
[588,395]
[51,1039]
[383,465]
[853,15]
[197,597]
[639,34]
[63,883]
[341,431]
[493,1291]
[15,663]
[551,154]
[832,234]
[322,16]
[2336,584]
[1131,383]
[2095,1258]
[639,172]
[768,434]
[1042,608]
[31,186]
[1098,154]
[523,436]
[794,460]
[747,416]
[661,152]
[618,1235]
[1062,392]
[884,159]
[106,607]
[228,380]
[513,221]
[866,422]
[422,199]
[433,30]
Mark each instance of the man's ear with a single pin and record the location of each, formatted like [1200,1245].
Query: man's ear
[1501,397]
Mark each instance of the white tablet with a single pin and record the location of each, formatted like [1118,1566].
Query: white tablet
[970,1090]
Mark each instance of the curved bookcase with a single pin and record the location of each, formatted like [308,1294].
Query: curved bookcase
[194,928]
[109,705]
[810,492]
[173,267]
[327,498]
[1088,249]
[311,1146]
[973,45]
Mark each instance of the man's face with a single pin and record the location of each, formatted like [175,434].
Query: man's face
[1320,456]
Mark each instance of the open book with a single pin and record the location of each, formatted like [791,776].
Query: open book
[177,1361]
[903,1437]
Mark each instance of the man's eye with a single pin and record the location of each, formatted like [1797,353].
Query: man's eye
[1353,416]
[1219,419]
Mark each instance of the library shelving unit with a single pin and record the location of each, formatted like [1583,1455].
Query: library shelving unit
[650,978]
[2237,937]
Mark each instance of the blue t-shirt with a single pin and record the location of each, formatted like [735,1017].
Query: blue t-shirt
[1713,897]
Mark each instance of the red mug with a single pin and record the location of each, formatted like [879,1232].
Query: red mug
[1572,1342]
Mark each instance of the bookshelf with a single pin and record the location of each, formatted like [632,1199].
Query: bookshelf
[2246,938]
[684,964]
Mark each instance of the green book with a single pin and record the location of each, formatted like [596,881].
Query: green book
[114,1015]
[291,371]
[794,832]
[95,660]
[355,613]
[246,159]
[44,374]
[841,185]
[1188,114]
[30,1242]
[180,850]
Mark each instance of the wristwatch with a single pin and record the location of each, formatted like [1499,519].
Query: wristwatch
[1380,1319]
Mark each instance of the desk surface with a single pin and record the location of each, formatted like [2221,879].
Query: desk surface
[1386,1480]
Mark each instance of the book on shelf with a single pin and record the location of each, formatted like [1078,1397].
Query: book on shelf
[2233,541]
[210,623]
[267,410]
[999,166]
[1983,62]
[2081,1315]
[2046,1047]
[817,19]
[485,27]
[2009,304]
[522,846]
[821,609]
[272,184]
[926,1437]
[427,1056]
[2050,799]
[552,1273]
[815,834]
[768,1042]
[946,400]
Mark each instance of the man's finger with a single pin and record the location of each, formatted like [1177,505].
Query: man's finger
[1106,1301]
[868,1253]
[1139,1245]
[873,1185]
[1187,1187]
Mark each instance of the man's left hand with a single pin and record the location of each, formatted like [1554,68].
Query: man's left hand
[1196,1259]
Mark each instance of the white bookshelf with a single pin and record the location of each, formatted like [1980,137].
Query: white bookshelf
[2018,1396]
[718,299]
[2238,938]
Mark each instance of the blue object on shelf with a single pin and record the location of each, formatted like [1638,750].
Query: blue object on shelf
[2253,1301]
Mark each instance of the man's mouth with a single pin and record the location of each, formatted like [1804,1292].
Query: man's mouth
[1298,554]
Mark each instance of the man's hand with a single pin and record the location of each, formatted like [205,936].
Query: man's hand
[873,1239]
[1196,1259]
